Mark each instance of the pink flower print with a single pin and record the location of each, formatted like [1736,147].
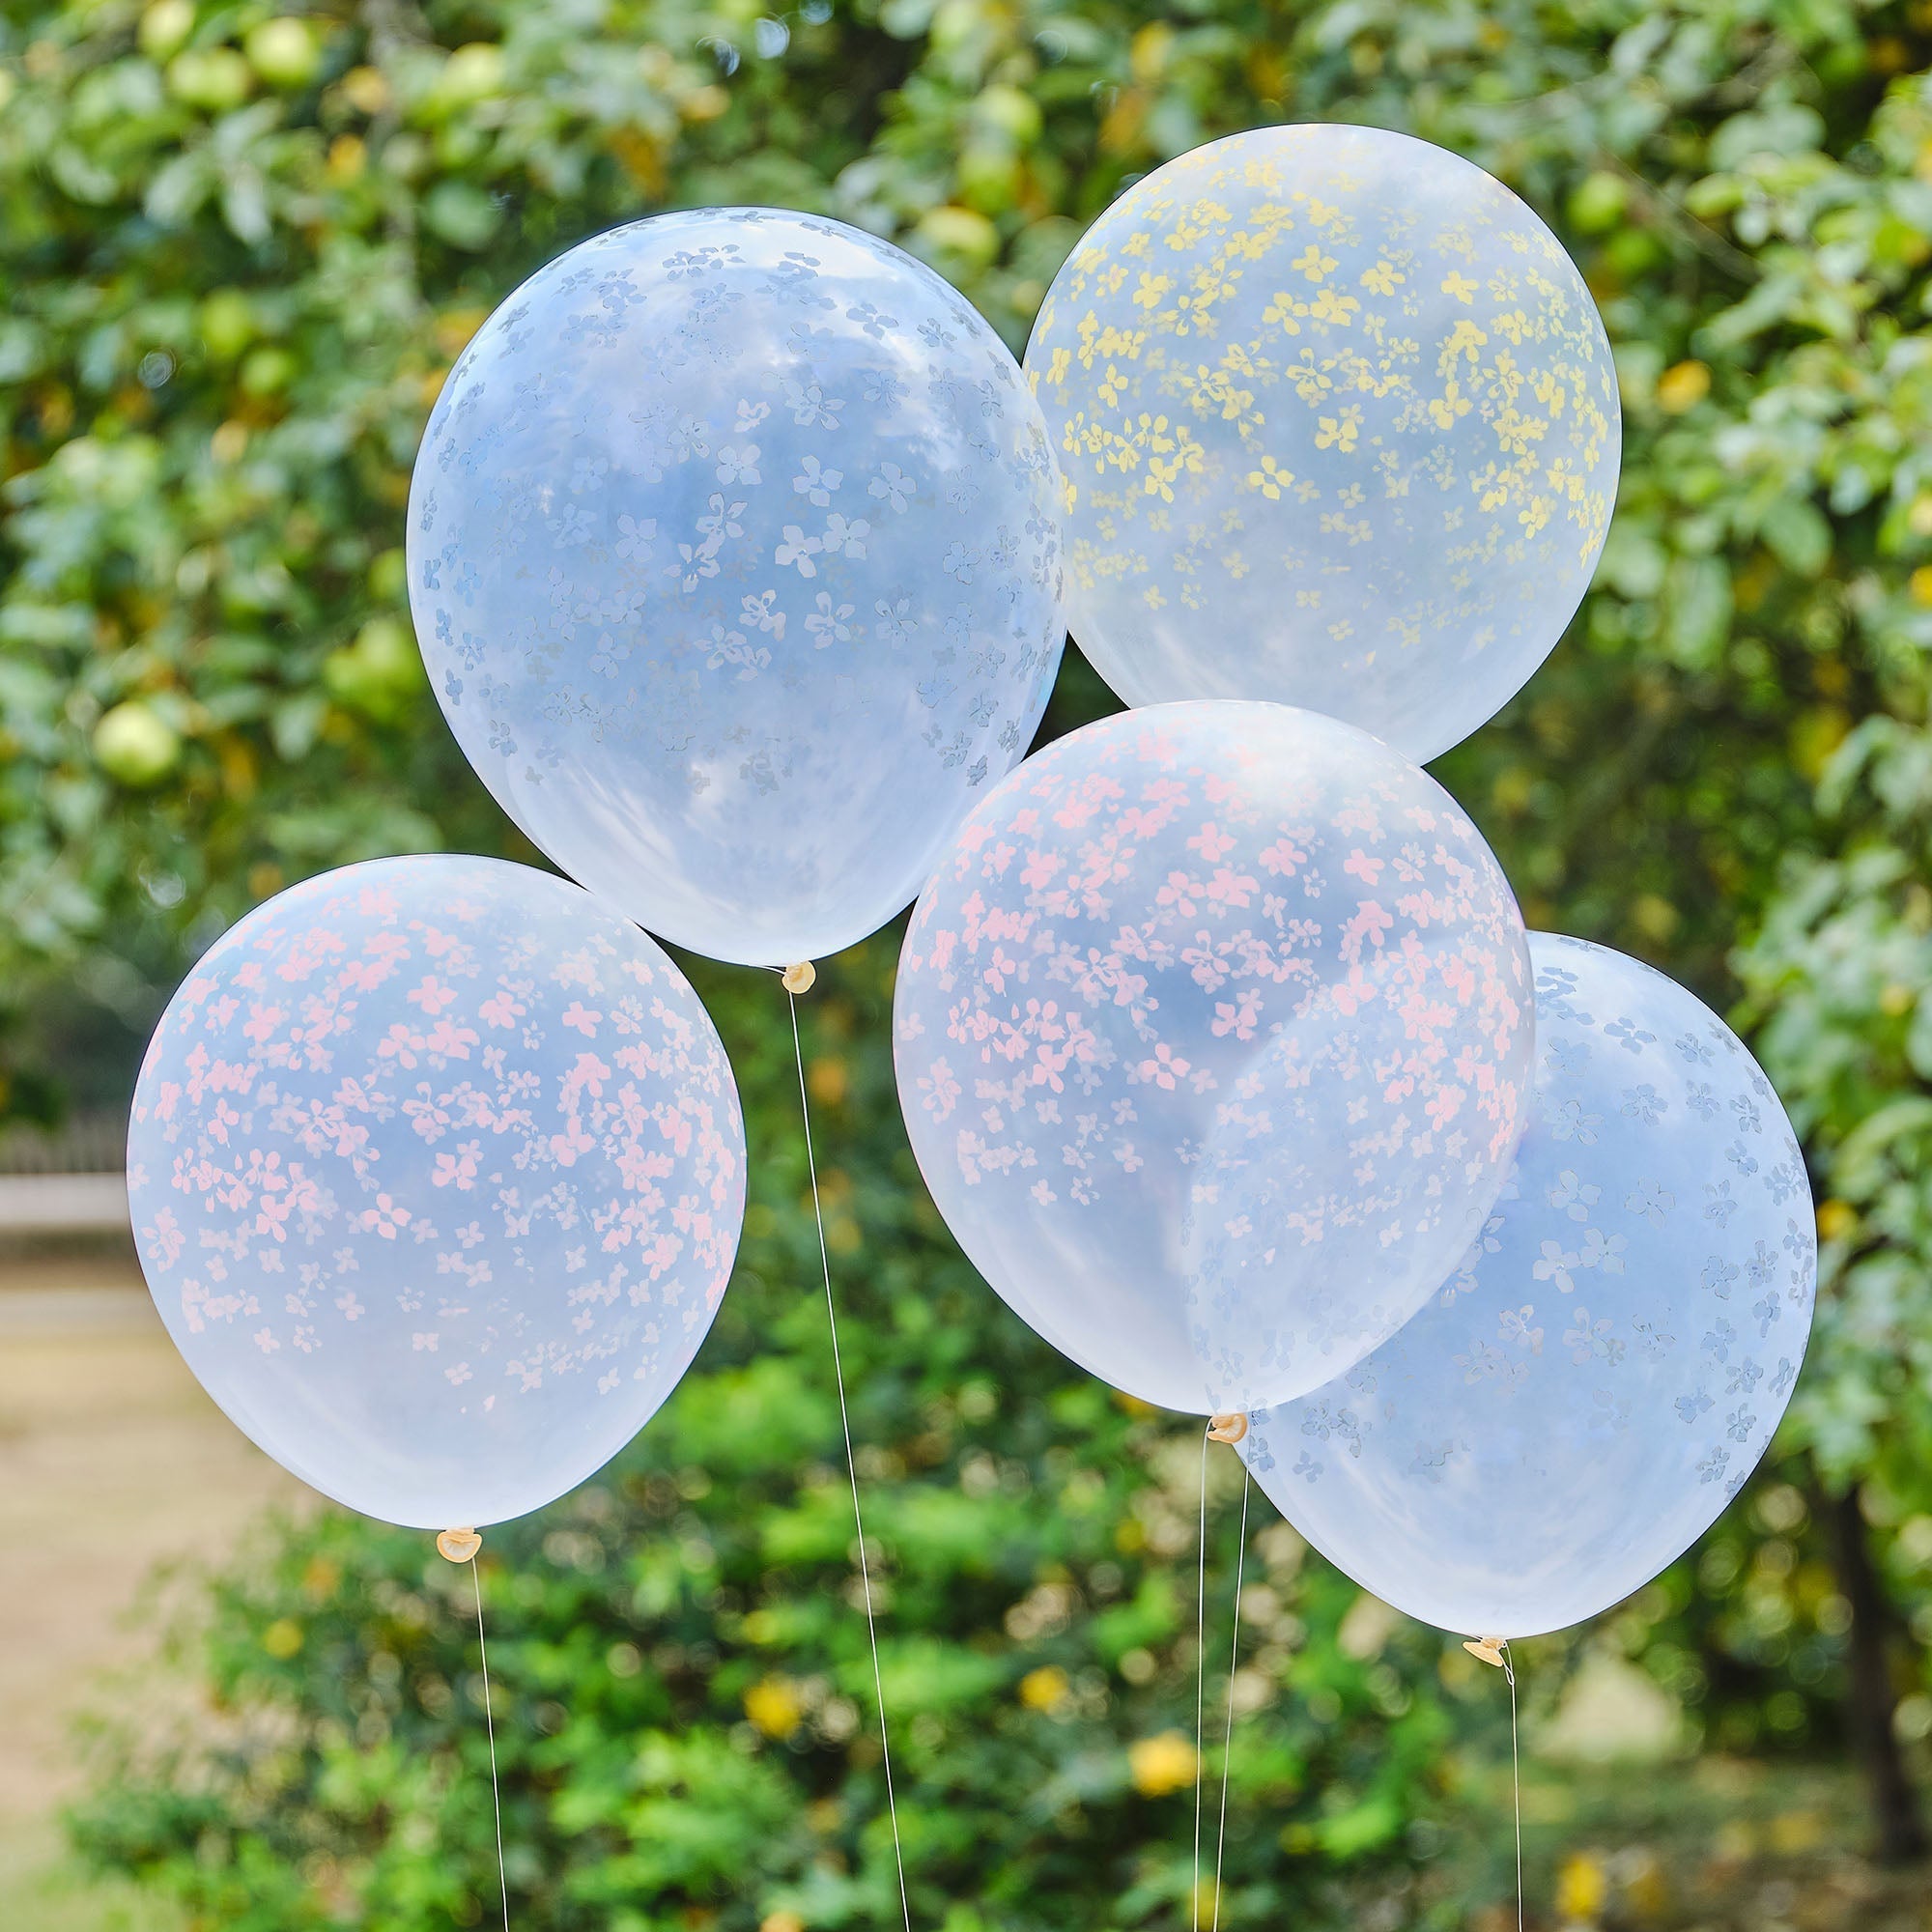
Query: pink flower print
[376,902]
[1370,923]
[457,1376]
[587,1075]
[1359,866]
[582,1019]
[578,969]
[1284,857]
[996,970]
[1211,843]
[385,1218]
[350,1305]
[450,1040]
[1445,1104]
[501,1008]
[940,1089]
[265,1340]
[572,1142]
[1238,1017]
[428,1117]
[165,1239]
[1230,887]
[458,1169]
[1355,992]
[1163,1070]
[432,996]
[381,956]
[424,1343]
[401,1045]
[263,1020]
[1179,895]
[168,1101]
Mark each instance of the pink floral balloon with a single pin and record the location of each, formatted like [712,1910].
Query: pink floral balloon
[438,1170]
[1213,1035]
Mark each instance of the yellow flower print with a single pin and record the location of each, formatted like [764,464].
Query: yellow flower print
[1519,434]
[1384,279]
[1443,409]
[1113,385]
[1308,600]
[1112,279]
[1465,340]
[1460,286]
[1153,287]
[1137,243]
[1283,311]
[1153,598]
[1338,310]
[1056,369]
[1550,392]
[1313,262]
[1270,479]
[1235,565]
[1535,516]
[1340,431]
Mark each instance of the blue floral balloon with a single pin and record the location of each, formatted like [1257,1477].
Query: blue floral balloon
[1214,1037]
[436,1171]
[735,559]
[1340,427]
[1582,1398]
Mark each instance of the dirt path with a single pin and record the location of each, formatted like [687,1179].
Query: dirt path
[111,1462]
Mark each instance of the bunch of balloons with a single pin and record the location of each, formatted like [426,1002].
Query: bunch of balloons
[739,548]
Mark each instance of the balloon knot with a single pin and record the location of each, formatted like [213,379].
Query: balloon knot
[1488,1648]
[460,1546]
[800,977]
[1228,1428]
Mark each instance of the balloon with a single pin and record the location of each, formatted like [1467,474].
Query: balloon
[734,554]
[436,1171]
[1586,1394]
[1212,1033]
[1340,427]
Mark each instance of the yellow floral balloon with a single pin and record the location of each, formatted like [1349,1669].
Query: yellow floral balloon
[1339,427]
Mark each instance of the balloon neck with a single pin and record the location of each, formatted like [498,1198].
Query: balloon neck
[1228,1428]
[800,977]
[459,1546]
[1488,1648]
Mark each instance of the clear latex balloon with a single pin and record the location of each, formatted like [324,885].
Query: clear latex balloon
[1583,1397]
[1340,427]
[1192,972]
[437,1172]
[734,557]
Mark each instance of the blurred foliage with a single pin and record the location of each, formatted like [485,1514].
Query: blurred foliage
[236,253]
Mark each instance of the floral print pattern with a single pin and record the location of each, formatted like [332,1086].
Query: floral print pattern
[1584,1394]
[734,554]
[1340,427]
[1213,1032]
[437,1172]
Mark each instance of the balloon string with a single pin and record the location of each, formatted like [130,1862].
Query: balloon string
[490,1726]
[1515,1777]
[851,1463]
[1228,1737]
[1200,1675]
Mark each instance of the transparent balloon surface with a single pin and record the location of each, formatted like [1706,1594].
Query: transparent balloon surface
[1340,426]
[437,1172]
[1212,1033]
[1594,1384]
[735,560]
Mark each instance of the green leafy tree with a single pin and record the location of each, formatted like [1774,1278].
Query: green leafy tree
[238,250]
